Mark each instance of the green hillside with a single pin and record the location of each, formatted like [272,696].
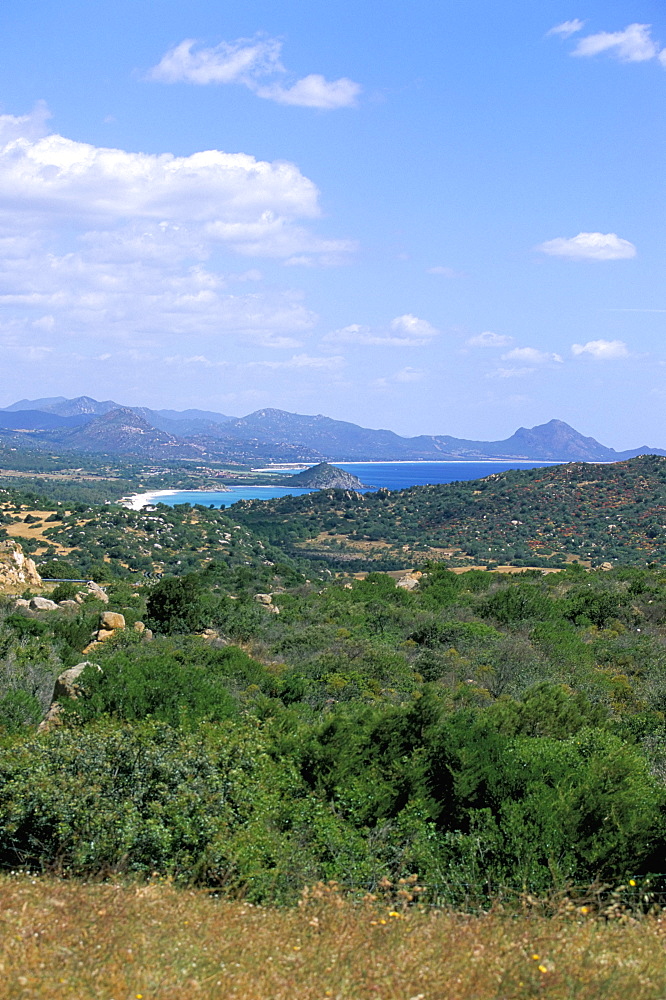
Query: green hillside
[484,733]
[537,517]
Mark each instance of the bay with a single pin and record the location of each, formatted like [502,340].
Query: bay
[375,475]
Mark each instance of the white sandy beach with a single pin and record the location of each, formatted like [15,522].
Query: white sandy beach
[139,500]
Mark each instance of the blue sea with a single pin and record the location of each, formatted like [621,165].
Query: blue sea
[375,475]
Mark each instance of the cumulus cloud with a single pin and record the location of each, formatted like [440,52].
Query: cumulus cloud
[117,243]
[590,246]
[601,350]
[633,44]
[252,63]
[567,28]
[532,356]
[409,374]
[194,359]
[404,331]
[489,339]
[52,174]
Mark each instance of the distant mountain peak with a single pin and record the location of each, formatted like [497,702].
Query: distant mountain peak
[272,434]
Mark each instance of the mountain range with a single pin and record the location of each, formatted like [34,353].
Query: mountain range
[86,424]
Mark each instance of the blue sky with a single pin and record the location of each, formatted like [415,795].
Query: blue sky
[438,217]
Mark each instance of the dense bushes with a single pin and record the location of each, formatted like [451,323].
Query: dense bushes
[370,794]
[206,807]
[479,731]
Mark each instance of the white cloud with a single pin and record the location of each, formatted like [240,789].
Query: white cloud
[251,62]
[510,372]
[489,339]
[590,246]
[532,356]
[601,350]
[412,327]
[116,243]
[567,28]
[229,62]
[44,323]
[51,174]
[409,375]
[301,361]
[314,91]
[194,359]
[633,44]
[404,331]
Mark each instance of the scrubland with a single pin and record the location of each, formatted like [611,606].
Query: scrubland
[487,735]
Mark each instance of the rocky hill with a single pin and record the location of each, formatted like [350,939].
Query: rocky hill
[324,477]
[123,431]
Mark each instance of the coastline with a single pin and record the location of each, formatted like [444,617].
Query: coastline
[138,500]
[428,461]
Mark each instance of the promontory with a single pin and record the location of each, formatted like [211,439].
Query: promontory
[324,477]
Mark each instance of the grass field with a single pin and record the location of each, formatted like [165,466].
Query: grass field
[153,942]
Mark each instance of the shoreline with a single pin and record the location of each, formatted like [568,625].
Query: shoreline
[428,461]
[137,501]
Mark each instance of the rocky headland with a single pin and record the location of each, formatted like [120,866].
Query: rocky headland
[324,477]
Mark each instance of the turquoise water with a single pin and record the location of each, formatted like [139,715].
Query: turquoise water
[375,475]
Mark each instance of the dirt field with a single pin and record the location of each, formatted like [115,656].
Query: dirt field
[19,529]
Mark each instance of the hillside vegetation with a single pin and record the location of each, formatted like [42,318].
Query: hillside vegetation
[478,731]
[537,517]
[481,735]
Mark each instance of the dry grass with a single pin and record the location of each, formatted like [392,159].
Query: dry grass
[154,942]
[19,529]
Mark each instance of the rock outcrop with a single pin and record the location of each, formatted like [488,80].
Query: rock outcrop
[42,604]
[66,686]
[111,620]
[16,569]
[266,600]
[110,623]
[324,477]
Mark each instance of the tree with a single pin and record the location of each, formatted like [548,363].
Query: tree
[175,604]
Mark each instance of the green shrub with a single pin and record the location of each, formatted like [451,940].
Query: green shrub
[18,709]
[64,592]
[175,605]
[166,683]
